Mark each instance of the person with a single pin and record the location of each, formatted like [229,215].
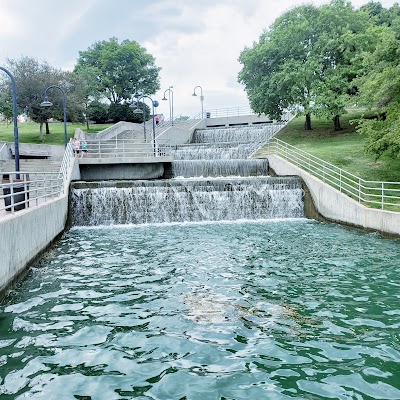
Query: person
[83,147]
[157,119]
[76,146]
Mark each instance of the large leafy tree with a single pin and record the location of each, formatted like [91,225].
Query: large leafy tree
[278,71]
[380,87]
[338,46]
[305,61]
[121,69]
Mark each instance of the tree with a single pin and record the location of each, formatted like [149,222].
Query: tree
[32,78]
[338,47]
[305,62]
[380,89]
[279,70]
[121,69]
[6,107]
[87,89]
[97,112]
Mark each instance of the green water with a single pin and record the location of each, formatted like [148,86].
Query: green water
[266,310]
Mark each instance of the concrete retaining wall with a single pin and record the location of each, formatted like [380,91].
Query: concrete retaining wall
[27,233]
[238,120]
[337,207]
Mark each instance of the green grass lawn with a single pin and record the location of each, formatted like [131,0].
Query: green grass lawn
[344,149]
[28,132]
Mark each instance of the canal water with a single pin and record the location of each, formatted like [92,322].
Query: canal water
[267,309]
[208,286]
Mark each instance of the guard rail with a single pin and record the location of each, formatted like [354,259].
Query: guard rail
[22,189]
[383,195]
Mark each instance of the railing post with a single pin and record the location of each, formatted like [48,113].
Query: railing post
[26,194]
[340,180]
[12,194]
[359,190]
[383,195]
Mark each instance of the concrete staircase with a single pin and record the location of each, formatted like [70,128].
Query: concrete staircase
[32,165]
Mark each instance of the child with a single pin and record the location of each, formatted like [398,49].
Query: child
[76,146]
[83,148]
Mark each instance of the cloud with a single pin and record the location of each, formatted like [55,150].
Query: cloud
[194,42]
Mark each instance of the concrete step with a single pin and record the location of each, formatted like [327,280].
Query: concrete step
[32,165]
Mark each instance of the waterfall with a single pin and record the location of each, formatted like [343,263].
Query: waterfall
[214,168]
[179,200]
[214,151]
[252,133]
[214,181]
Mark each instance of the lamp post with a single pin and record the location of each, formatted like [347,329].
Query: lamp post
[201,98]
[139,111]
[171,103]
[47,103]
[15,118]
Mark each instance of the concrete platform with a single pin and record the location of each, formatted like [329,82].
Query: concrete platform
[124,160]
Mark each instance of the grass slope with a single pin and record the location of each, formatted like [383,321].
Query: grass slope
[344,149]
[28,132]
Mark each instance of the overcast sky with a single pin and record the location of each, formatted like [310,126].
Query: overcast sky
[195,42]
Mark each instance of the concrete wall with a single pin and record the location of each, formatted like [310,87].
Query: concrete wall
[56,151]
[27,233]
[337,207]
[180,135]
[238,120]
[103,172]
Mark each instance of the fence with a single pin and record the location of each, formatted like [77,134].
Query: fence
[383,195]
[20,190]
[123,148]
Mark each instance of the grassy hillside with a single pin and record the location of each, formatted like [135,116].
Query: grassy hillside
[28,132]
[344,149]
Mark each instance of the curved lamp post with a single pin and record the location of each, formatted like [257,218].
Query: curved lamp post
[47,103]
[139,111]
[171,103]
[15,118]
[201,98]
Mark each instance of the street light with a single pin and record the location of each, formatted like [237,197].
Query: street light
[15,118]
[171,103]
[47,103]
[139,111]
[201,97]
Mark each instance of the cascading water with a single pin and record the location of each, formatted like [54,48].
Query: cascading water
[214,181]
[181,200]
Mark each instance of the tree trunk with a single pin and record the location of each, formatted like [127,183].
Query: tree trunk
[47,128]
[87,123]
[307,124]
[41,132]
[336,123]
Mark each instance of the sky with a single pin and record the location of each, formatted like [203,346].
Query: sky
[195,43]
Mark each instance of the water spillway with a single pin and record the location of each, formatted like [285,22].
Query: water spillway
[185,200]
[214,180]
[214,168]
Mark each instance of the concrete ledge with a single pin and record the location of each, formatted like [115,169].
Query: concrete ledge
[125,160]
[336,206]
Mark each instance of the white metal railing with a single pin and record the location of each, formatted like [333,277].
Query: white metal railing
[123,148]
[20,190]
[383,195]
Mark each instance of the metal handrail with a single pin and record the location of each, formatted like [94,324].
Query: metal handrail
[123,148]
[385,195]
[20,190]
